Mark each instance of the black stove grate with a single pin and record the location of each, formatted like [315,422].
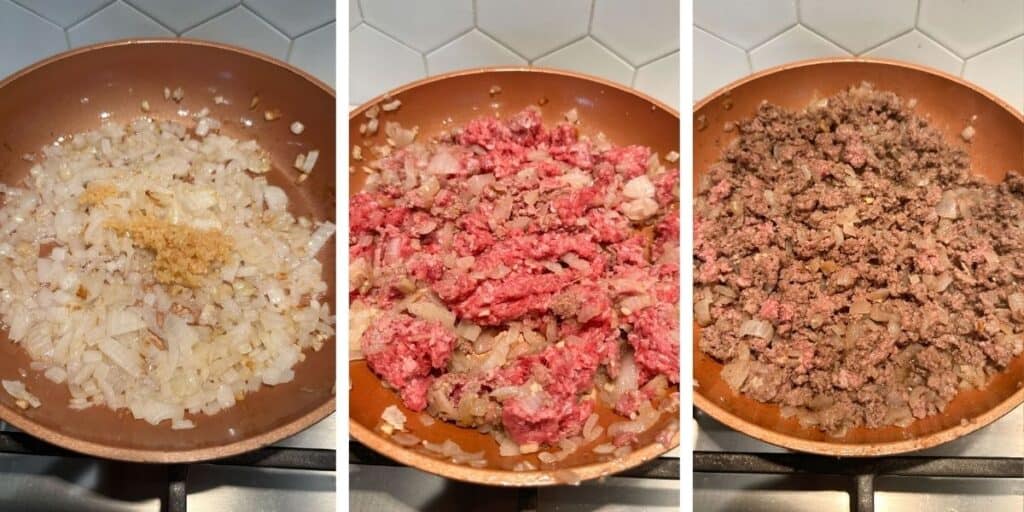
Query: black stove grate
[662,468]
[19,443]
[861,472]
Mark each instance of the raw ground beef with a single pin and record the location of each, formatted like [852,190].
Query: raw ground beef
[516,267]
[849,268]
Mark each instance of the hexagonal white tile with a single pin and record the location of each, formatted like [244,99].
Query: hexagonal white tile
[858,26]
[314,53]
[182,15]
[378,63]
[1000,70]
[920,49]
[294,17]
[533,27]
[715,63]
[421,25]
[63,12]
[797,43]
[25,38]
[743,23]
[355,16]
[661,79]
[970,27]
[638,30]
[472,50]
[589,56]
[116,21]
[241,27]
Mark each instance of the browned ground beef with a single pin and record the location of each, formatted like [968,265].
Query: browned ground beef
[829,283]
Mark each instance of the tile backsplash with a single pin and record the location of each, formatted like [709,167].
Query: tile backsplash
[979,40]
[301,32]
[635,43]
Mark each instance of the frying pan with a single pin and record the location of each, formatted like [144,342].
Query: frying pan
[950,103]
[447,101]
[67,94]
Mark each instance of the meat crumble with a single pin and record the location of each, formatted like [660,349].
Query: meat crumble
[517,274]
[849,267]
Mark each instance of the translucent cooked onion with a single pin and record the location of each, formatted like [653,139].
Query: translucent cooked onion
[394,417]
[502,209]
[476,184]
[702,312]
[17,389]
[589,426]
[1016,302]
[628,377]
[567,477]
[431,311]
[646,418]
[405,439]
[860,307]
[735,372]
[946,207]
[443,162]
[757,328]
[400,136]
[468,330]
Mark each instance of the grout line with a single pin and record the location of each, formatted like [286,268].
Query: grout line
[448,41]
[612,50]
[389,36]
[210,18]
[502,44]
[963,67]
[761,43]
[799,18]
[277,29]
[476,20]
[88,14]
[67,38]
[288,54]
[91,14]
[750,61]
[740,48]
[659,57]
[359,7]
[993,47]
[887,41]
[144,15]
[560,47]
[314,29]
[933,38]
[632,81]
[819,34]
[917,13]
[590,22]
[25,8]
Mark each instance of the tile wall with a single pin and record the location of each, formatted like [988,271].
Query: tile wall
[635,43]
[979,40]
[301,32]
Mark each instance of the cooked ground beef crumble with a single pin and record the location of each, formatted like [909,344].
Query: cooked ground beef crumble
[513,274]
[849,267]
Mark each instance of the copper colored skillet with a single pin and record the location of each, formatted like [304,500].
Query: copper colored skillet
[48,100]
[626,117]
[950,103]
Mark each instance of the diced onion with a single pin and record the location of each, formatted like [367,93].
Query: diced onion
[757,328]
[946,208]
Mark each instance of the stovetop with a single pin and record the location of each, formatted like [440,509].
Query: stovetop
[983,471]
[652,487]
[296,474]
